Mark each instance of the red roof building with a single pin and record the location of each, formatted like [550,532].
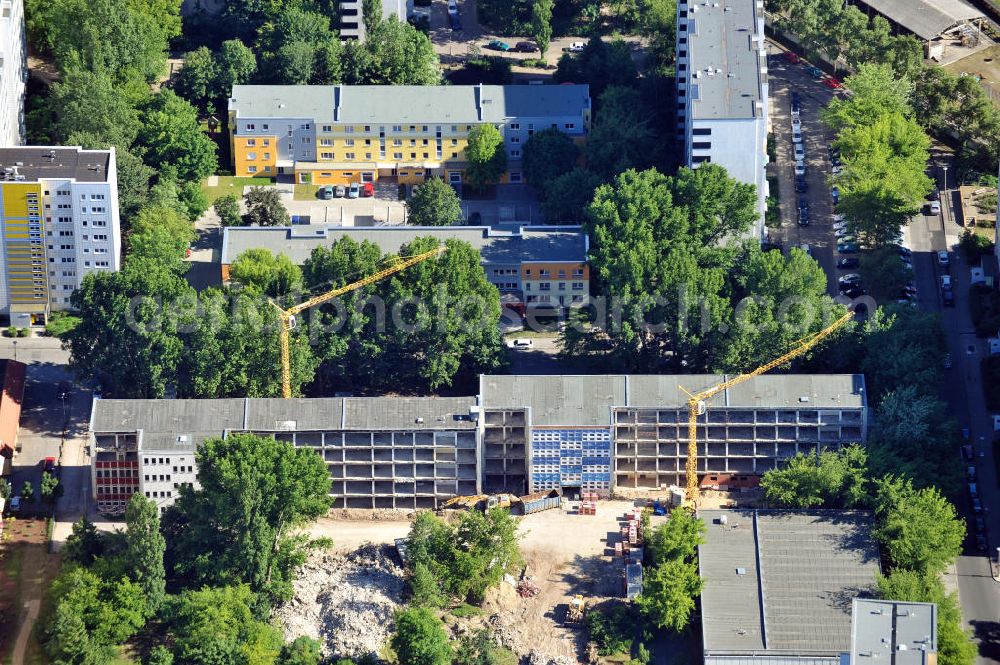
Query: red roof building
[10,404]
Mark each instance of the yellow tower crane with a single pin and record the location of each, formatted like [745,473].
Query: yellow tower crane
[287,316]
[697,402]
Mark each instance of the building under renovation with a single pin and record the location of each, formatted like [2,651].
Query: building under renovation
[519,434]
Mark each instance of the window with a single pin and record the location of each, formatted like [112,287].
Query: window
[327,128]
[702,131]
[413,155]
[250,127]
[515,153]
[701,145]
[101,264]
[515,125]
[454,141]
[264,127]
[397,128]
[570,125]
[267,143]
[349,143]
[515,176]
[562,286]
[101,237]
[251,169]
[349,155]
[251,143]
[413,143]
[413,128]
[397,143]
[326,142]
[515,139]
[397,155]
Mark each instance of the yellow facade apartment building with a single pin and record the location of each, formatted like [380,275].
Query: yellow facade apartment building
[342,134]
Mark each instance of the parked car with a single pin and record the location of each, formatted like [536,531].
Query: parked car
[947,364]
[943,260]
[980,525]
[935,207]
[525,47]
[842,232]
[367,189]
[796,104]
[520,344]
[49,464]
[339,192]
[848,263]
[848,239]
[497,45]
[946,282]
[970,473]
[980,542]
[791,57]
[803,216]
[935,195]
[838,217]
[948,298]
[833,83]
[854,291]
[800,153]
[354,191]
[325,193]
[977,506]
[800,168]
[455,20]
[850,278]
[967,451]
[835,195]
[837,226]
[847,248]
[796,133]
[576,47]
[801,185]
[814,72]
[15,504]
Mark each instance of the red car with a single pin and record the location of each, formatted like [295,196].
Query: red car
[832,83]
[791,57]
[49,465]
[367,189]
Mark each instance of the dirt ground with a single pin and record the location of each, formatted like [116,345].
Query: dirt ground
[986,65]
[26,568]
[565,554]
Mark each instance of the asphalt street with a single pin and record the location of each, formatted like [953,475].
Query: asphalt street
[979,594]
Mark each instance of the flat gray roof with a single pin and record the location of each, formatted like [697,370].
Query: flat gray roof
[180,424]
[926,19]
[893,631]
[36,163]
[400,104]
[723,60]
[581,400]
[799,572]
[298,242]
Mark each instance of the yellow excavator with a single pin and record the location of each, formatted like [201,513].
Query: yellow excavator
[698,402]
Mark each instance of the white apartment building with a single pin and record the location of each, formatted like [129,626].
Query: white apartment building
[13,72]
[58,222]
[722,90]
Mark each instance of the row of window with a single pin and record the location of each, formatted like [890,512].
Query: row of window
[117,473]
[547,286]
[546,298]
[544,272]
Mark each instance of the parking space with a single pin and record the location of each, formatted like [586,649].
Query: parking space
[785,78]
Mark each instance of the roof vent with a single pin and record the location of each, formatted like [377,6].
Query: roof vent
[804,399]
[183,438]
[901,647]
[419,421]
[741,571]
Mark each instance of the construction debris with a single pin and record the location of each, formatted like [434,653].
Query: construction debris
[527,589]
[347,602]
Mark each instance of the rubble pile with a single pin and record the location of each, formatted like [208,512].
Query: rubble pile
[527,589]
[345,602]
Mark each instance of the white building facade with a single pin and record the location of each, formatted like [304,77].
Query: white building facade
[13,72]
[722,90]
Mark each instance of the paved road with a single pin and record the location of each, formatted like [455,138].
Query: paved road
[51,426]
[783,79]
[978,593]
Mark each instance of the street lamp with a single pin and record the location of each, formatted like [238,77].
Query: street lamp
[945,168]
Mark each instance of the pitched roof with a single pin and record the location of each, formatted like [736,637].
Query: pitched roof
[925,18]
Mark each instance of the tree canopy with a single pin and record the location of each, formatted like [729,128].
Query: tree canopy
[434,203]
[271,274]
[548,154]
[831,479]
[486,155]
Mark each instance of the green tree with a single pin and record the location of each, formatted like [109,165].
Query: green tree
[399,54]
[876,91]
[567,196]
[140,359]
[133,181]
[27,491]
[677,539]
[425,589]
[160,236]
[541,24]
[621,136]
[264,207]
[145,547]
[371,10]
[160,655]
[903,346]
[272,274]
[668,594]
[91,104]
[84,544]
[236,64]
[434,203]
[197,79]
[90,616]
[171,135]
[486,156]
[420,638]
[302,651]
[548,154]
[242,525]
[918,528]
[228,209]
[218,625]
[479,648]
[831,479]
[600,64]
[955,645]
[51,489]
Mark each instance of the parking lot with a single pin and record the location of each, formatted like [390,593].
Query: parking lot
[786,77]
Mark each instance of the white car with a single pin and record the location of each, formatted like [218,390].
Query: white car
[576,47]
[796,134]
[520,344]
[841,232]
[935,207]
[839,226]
[838,217]
[800,168]
[800,153]
[837,170]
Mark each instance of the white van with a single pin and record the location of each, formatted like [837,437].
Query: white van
[520,344]
[800,153]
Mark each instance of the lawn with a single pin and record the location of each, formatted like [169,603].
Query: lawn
[306,192]
[232,185]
